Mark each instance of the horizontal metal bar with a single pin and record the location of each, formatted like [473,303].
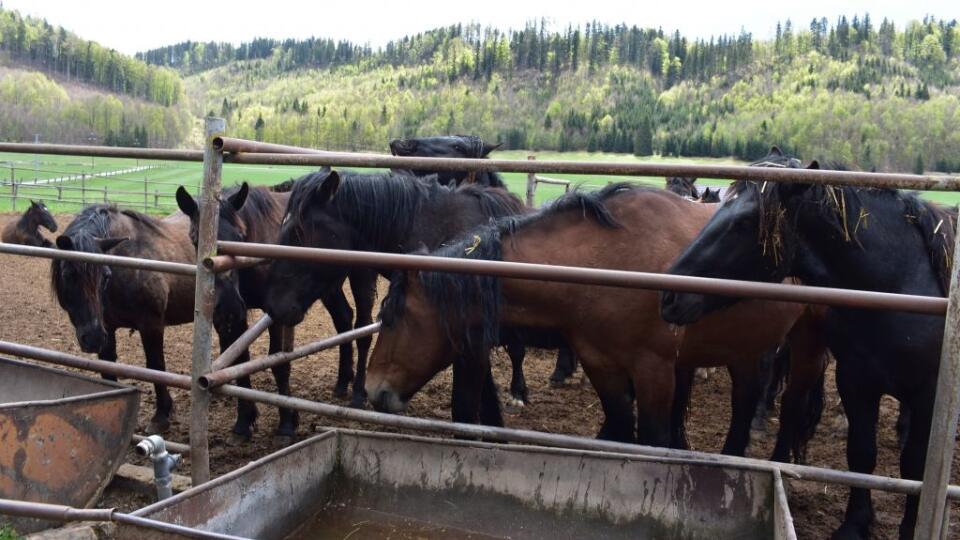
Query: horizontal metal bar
[179,448]
[798,472]
[230,144]
[222,376]
[103,151]
[101,258]
[223,263]
[592,276]
[810,176]
[242,343]
[552,181]
[101,366]
[56,512]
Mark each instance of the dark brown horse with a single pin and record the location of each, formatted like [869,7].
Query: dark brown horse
[100,299]
[627,351]
[250,215]
[26,230]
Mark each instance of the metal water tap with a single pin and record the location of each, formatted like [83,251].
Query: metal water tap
[155,448]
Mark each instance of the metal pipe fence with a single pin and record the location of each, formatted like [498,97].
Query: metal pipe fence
[934,491]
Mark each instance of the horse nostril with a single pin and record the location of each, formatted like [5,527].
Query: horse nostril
[668,297]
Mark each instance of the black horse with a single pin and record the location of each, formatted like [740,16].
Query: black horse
[683,186]
[473,147]
[842,237]
[450,146]
[710,195]
[388,212]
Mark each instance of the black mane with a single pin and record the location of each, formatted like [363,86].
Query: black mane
[459,297]
[259,206]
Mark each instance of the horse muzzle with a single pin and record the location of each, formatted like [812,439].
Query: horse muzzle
[91,340]
[681,308]
[385,399]
[400,147]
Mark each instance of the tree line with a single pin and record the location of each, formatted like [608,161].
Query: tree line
[55,51]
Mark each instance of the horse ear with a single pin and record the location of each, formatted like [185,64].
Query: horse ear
[487,148]
[776,151]
[64,242]
[421,250]
[106,244]
[186,203]
[813,165]
[238,199]
[328,188]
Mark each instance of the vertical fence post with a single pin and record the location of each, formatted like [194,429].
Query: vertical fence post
[933,517]
[204,299]
[156,198]
[531,185]
[13,188]
[83,189]
[59,193]
[145,182]
[104,194]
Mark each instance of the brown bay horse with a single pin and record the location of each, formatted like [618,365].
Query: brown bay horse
[100,299]
[26,230]
[628,352]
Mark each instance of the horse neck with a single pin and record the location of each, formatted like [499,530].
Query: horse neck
[385,222]
[889,254]
[264,227]
[29,221]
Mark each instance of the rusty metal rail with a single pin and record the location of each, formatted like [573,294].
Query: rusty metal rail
[241,344]
[56,512]
[214,379]
[796,472]
[223,263]
[100,258]
[103,151]
[591,276]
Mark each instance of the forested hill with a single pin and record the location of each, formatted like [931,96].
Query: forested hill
[62,88]
[871,94]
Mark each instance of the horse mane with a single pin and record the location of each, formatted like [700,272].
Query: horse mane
[378,204]
[493,202]
[460,296]
[259,208]
[843,208]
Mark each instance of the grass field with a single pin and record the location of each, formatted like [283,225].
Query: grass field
[162,180]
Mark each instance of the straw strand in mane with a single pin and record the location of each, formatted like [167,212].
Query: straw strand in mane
[460,297]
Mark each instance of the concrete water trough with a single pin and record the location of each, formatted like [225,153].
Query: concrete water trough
[62,436]
[359,485]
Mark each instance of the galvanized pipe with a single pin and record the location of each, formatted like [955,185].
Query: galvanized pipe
[103,151]
[808,176]
[56,512]
[592,276]
[232,145]
[100,258]
[242,343]
[222,376]
[223,263]
[798,472]
[179,448]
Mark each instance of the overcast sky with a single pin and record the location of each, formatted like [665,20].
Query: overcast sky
[131,26]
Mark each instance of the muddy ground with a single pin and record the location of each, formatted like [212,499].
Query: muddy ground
[29,314]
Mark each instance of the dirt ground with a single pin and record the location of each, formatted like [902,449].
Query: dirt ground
[29,314]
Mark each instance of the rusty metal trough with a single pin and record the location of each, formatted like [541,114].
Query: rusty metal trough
[62,435]
[346,483]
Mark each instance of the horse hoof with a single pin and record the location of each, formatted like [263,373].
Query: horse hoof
[358,403]
[514,405]
[159,427]
[339,392]
[557,382]
[283,440]
[239,439]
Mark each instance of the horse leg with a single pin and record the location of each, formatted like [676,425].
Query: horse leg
[152,339]
[490,414]
[363,283]
[654,384]
[862,407]
[681,402]
[109,352]
[565,368]
[287,428]
[615,391]
[747,387]
[772,376]
[342,315]
[471,369]
[903,425]
[802,404]
[230,321]
[518,384]
[913,456]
